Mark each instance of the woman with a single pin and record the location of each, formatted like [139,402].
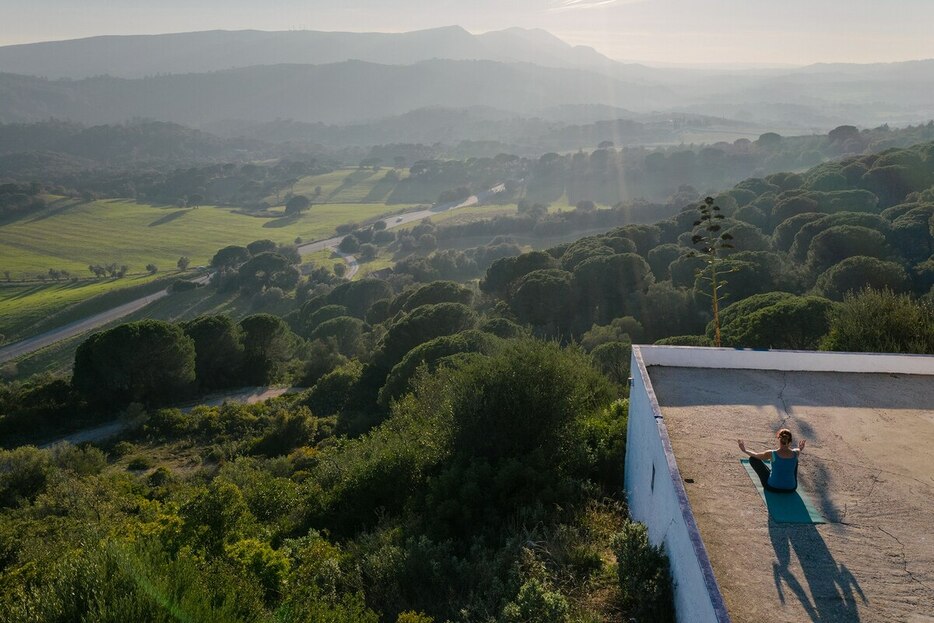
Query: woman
[783,477]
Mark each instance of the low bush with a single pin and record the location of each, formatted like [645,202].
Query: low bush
[644,580]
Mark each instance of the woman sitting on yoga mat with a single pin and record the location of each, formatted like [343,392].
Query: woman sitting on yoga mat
[783,477]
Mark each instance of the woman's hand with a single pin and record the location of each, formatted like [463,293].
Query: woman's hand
[742,446]
[801,444]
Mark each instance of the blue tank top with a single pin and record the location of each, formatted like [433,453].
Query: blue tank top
[784,472]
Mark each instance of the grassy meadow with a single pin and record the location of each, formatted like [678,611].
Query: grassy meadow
[71,235]
[178,306]
[350,185]
[31,308]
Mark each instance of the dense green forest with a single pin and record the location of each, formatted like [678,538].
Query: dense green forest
[141,161]
[457,454]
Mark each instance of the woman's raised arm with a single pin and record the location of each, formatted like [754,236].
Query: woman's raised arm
[762,456]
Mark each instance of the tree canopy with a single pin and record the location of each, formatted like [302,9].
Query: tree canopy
[150,361]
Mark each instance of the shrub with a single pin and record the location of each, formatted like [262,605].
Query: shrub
[605,436]
[160,477]
[123,448]
[170,423]
[796,323]
[24,473]
[536,603]
[136,582]
[529,395]
[311,319]
[216,516]
[139,463]
[644,580]
[685,340]
[504,328]
[332,391]
[881,321]
[858,272]
[261,561]
[289,429]
[431,354]
[82,461]
[613,359]
[345,332]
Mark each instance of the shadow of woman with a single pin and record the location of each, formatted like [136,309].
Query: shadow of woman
[829,591]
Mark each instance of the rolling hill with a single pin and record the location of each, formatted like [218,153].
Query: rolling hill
[202,79]
[137,56]
[346,92]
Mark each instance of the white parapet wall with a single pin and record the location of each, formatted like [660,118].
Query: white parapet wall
[657,498]
[653,482]
[784,360]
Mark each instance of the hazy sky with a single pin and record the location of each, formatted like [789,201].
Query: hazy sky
[670,31]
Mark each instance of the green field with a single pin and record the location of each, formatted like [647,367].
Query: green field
[349,185]
[59,358]
[325,258]
[377,263]
[72,235]
[29,309]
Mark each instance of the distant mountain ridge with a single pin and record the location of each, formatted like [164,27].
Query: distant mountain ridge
[137,56]
[339,93]
[338,78]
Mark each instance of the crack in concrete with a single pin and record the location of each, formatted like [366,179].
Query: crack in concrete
[904,559]
[875,481]
[781,399]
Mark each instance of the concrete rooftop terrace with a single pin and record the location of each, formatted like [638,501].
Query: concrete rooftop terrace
[868,466]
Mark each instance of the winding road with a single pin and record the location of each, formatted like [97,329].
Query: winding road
[79,327]
[408,217]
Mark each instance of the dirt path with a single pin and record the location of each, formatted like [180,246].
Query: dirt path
[98,433]
[247,395]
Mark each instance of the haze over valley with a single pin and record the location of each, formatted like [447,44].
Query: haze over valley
[332,311]
[207,78]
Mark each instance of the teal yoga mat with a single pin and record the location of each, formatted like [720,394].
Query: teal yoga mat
[794,507]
